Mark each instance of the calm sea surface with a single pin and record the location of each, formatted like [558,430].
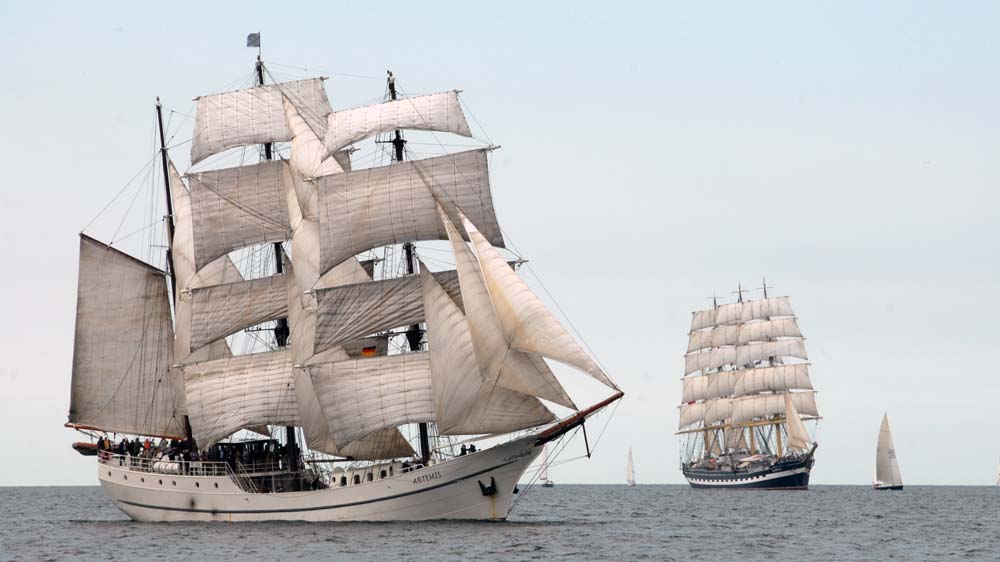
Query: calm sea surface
[563,523]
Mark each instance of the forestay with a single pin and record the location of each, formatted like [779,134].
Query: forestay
[255,116]
[742,334]
[393,204]
[744,355]
[465,402]
[351,311]
[435,112]
[238,207]
[227,395]
[123,344]
[362,396]
[753,407]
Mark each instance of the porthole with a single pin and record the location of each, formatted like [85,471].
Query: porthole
[216,484]
[124,476]
[357,478]
[175,482]
[161,482]
[109,473]
[381,474]
[368,477]
[143,480]
[343,480]
[197,485]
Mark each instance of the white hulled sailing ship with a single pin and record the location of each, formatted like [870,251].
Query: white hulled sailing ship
[887,475]
[746,396]
[154,361]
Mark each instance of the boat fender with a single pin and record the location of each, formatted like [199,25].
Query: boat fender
[490,490]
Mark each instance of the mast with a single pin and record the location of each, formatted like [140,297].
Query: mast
[165,161]
[281,324]
[413,333]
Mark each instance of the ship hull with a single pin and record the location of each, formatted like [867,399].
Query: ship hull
[877,487]
[458,488]
[782,476]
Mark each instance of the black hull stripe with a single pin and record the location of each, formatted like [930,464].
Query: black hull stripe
[797,481]
[322,507]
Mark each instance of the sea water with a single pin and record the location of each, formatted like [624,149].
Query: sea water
[568,522]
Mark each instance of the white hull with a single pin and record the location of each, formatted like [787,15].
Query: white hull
[446,490]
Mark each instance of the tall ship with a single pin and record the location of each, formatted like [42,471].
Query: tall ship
[291,354]
[747,397]
[887,475]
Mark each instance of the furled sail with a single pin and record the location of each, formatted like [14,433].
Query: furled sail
[362,396]
[352,311]
[227,395]
[392,204]
[798,437]
[886,465]
[744,354]
[752,407]
[123,344]
[773,379]
[741,312]
[742,334]
[502,365]
[221,310]
[464,401]
[238,207]
[435,112]
[527,324]
[255,116]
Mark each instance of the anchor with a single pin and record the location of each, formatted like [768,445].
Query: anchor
[490,490]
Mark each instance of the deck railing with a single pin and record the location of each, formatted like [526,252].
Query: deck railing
[165,465]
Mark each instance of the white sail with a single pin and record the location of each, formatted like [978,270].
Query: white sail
[772,379]
[187,276]
[886,465]
[221,310]
[352,311]
[435,112]
[527,325]
[708,412]
[501,364]
[464,401]
[362,396]
[714,385]
[629,469]
[365,209]
[238,207]
[255,116]
[754,407]
[744,354]
[798,437]
[122,350]
[741,312]
[227,395]
[742,334]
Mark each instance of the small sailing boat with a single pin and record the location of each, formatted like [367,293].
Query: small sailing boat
[998,475]
[746,396]
[629,470]
[543,473]
[355,429]
[886,467]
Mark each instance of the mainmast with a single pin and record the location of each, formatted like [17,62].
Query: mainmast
[281,324]
[414,334]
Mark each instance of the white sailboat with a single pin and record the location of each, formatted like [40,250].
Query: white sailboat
[153,358]
[543,473]
[629,470]
[886,467]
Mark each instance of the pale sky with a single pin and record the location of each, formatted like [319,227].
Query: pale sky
[653,153]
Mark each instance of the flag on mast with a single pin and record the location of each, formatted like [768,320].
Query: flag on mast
[253,40]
